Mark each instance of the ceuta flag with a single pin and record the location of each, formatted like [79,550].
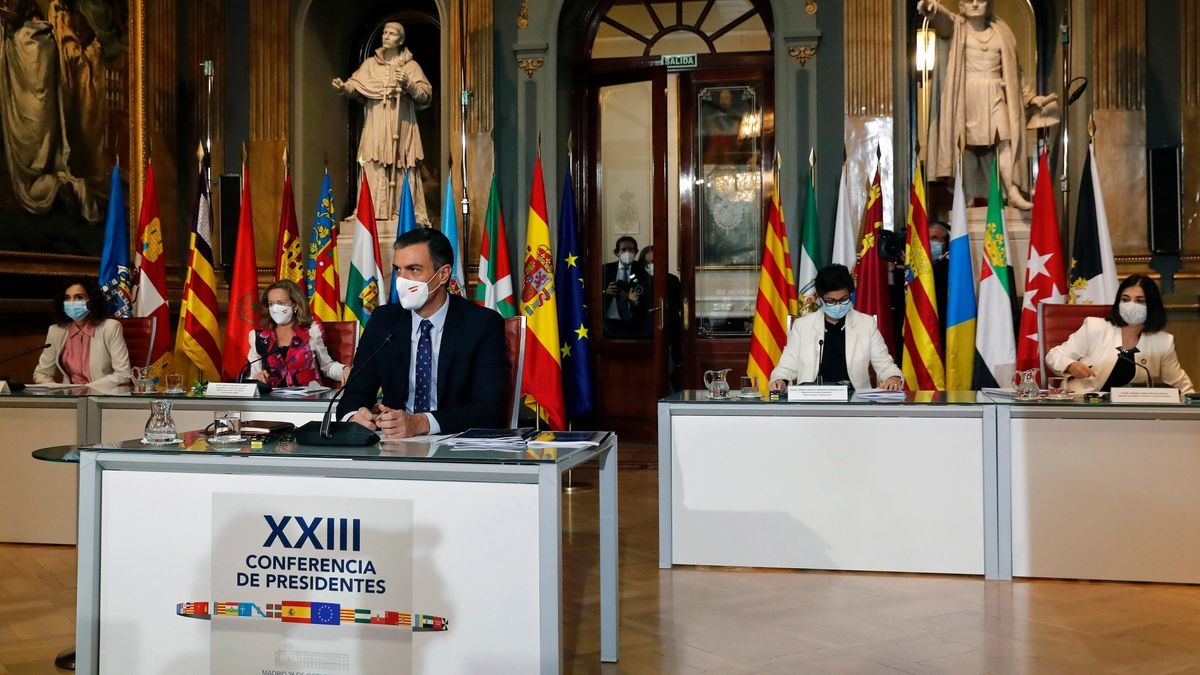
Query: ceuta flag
[542,380]
[494,289]
[923,370]
[150,297]
[242,316]
[872,295]
[289,263]
[1045,272]
[776,297]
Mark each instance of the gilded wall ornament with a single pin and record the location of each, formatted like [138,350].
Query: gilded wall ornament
[802,54]
[523,17]
[530,66]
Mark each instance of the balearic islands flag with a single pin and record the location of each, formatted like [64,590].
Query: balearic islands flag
[542,380]
[150,296]
[995,350]
[812,257]
[872,296]
[1045,271]
[324,286]
[1093,269]
[494,287]
[242,316]
[960,297]
[366,272]
[289,263]
[115,279]
[197,341]
[776,297]
[922,329]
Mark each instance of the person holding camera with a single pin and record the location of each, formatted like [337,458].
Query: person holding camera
[625,285]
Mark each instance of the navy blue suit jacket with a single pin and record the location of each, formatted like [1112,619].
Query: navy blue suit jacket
[473,367]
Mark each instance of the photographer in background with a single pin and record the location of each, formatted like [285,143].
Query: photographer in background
[625,283]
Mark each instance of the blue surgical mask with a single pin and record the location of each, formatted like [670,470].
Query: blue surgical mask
[76,309]
[837,312]
[937,249]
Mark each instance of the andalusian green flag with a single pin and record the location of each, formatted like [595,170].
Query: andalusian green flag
[811,257]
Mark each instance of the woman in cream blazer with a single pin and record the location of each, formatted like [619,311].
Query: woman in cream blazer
[1137,319]
[108,359]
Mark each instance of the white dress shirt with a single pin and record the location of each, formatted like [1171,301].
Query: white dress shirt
[438,319]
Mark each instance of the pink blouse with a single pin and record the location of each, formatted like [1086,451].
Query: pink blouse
[77,353]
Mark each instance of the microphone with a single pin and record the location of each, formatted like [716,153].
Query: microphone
[263,387]
[820,360]
[13,384]
[342,434]
[1122,354]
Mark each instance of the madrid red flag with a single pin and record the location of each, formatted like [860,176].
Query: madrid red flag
[243,292]
[872,295]
[1045,271]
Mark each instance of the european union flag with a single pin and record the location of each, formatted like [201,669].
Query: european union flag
[572,312]
[406,221]
[327,613]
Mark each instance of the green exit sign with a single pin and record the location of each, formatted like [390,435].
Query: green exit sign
[679,61]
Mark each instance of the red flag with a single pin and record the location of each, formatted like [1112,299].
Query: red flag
[541,381]
[151,264]
[243,292]
[1045,270]
[872,296]
[288,263]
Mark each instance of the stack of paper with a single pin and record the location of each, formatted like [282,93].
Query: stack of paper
[879,395]
[565,439]
[491,439]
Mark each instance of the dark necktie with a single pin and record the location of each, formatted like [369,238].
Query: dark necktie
[424,368]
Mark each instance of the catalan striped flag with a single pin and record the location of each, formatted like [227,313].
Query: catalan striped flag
[776,297]
[541,382]
[324,287]
[922,330]
[289,261]
[197,340]
[150,264]
[960,297]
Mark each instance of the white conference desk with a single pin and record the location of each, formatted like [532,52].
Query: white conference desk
[956,482]
[45,495]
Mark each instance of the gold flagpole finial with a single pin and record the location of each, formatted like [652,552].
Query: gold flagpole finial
[200,154]
[287,164]
[245,155]
[1091,128]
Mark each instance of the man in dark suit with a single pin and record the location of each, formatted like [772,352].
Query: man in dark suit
[624,283]
[446,367]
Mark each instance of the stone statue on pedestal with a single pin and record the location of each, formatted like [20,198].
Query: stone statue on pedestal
[984,101]
[392,88]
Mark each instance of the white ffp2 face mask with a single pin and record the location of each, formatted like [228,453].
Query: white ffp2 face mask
[414,294]
[281,314]
[1132,313]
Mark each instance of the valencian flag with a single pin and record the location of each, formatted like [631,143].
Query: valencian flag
[115,279]
[872,295]
[995,350]
[242,317]
[1093,269]
[922,328]
[494,287]
[321,274]
[542,380]
[845,228]
[365,279]
[811,257]
[776,296]
[289,263]
[1045,271]
[458,283]
[197,341]
[960,297]
[406,221]
[150,298]
[572,318]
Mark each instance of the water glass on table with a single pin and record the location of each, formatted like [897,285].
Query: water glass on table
[749,387]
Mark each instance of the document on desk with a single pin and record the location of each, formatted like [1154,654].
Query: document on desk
[52,386]
[298,392]
[879,395]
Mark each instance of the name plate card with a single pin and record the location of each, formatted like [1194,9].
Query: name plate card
[818,393]
[1155,395]
[232,389]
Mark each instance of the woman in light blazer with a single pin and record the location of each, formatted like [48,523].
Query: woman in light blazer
[86,347]
[1107,352]
[838,343]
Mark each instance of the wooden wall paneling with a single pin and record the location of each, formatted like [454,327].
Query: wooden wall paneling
[868,58]
[162,127]
[205,39]
[270,115]
[1189,27]
[480,114]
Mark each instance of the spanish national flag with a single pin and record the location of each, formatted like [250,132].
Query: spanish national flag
[541,383]
[297,612]
[776,296]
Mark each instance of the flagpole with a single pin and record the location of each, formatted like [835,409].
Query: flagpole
[464,101]
[207,66]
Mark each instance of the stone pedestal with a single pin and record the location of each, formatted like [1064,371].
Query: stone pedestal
[1016,223]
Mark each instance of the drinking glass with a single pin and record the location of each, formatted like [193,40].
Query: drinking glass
[749,386]
[226,427]
[1056,387]
[174,383]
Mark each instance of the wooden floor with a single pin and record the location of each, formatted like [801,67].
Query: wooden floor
[753,621]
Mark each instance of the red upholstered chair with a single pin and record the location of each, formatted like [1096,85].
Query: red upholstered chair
[139,338]
[514,338]
[341,339]
[1056,323]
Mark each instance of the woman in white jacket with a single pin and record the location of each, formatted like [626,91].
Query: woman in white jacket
[836,343]
[1107,352]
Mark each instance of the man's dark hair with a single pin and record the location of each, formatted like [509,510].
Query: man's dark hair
[617,246]
[1156,314]
[97,304]
[833,277]
[440,249]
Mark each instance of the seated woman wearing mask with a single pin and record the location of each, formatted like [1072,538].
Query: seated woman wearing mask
[1106,352]
[86,347]
[836,343]
[290,343]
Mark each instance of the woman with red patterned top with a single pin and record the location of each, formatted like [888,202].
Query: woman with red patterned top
[289,350]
